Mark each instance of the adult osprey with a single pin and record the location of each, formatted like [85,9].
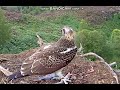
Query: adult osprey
[51,59]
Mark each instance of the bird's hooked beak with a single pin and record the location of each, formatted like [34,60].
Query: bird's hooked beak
[68,33]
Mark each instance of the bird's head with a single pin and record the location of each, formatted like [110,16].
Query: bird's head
[68,33]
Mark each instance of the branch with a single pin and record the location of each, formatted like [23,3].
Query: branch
[3,59]
[113,63]
[40,41]
[80,49]
[5,71]
[101,59]
[93,54]
[113,72]
[118,71]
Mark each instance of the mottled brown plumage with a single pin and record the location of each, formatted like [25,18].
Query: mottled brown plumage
[52,57]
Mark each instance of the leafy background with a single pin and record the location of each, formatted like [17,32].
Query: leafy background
[19,34]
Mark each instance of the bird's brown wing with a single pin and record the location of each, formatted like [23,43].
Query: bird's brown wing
[44,62]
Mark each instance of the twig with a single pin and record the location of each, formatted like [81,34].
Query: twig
[5,71]
[80,49]
[4,81]
[113,72]
[4,59]
[113,63]
[102,60]
[40,41]
[117,71]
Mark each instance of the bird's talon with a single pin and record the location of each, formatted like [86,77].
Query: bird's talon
[56,78]
[65,79]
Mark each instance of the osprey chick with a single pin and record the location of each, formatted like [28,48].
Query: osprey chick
[51,59]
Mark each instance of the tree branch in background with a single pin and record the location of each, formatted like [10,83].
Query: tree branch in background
[40,41]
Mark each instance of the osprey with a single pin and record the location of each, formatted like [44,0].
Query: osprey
[51,59]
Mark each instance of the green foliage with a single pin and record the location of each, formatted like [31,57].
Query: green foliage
[108,26]
[82,37]
[25,31]
[115,38]
[68,20]
[117,60]
[103,39]
[92,41]
[4,29]
[110,49]
[97,41]
[107,51]
[84,24]
[33,10]
[19,44]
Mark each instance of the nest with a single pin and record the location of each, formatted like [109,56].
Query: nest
[83,70]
